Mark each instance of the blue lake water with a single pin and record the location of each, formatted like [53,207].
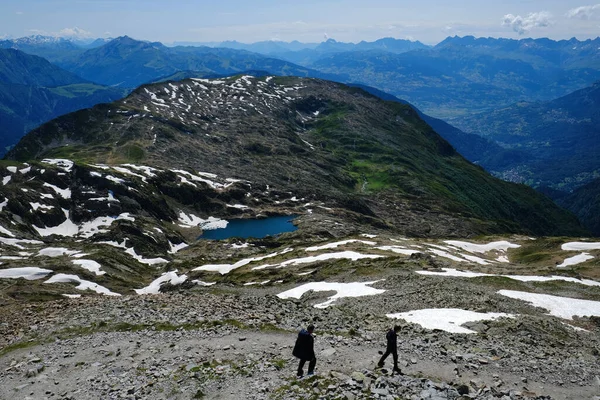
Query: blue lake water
[256,228]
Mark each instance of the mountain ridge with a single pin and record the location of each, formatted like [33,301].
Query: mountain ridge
[307,136]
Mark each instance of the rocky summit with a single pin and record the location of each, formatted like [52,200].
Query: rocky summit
[108,290]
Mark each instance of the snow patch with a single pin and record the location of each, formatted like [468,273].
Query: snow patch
[174,248]
[349,255]
[483,248]
[578,259]
[29,273]
[399,250]
[191,220]
[341,243]
[147,261]
[353,289]
[56,252]
[562,307]
[447,319]
[202,283]
[67,228]
[154,287]
[578,246]
[523,278]
[66,165]
[90,265]
[226,268]
[36,206]
[81,284]
[17,242]
[64,193]
[6,232]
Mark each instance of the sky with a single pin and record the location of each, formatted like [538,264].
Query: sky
[429,21]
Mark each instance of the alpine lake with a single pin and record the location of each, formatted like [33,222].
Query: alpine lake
[255,227]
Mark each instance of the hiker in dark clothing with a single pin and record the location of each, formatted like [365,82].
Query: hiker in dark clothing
[304,350]
[392,348]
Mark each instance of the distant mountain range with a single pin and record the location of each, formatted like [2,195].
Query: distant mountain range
[33,91]
[456,78]
[128,63]
[307,53]
[459,76]
[51,48]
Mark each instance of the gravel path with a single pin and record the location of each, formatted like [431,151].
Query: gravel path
[202,344]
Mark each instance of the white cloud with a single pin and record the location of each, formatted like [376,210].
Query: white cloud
[19,13]
[73,32]
[522,25]
[584,12]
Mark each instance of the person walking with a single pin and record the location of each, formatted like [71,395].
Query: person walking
[305,351]
[391,348]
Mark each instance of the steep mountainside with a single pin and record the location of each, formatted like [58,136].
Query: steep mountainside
[320,140]
[561,138]
[128,63]
[33,91]
[475,148]
[585,203]
[457,77]
[23,69]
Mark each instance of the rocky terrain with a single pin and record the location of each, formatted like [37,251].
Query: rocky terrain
[229,333]
[107,291]
[235,341]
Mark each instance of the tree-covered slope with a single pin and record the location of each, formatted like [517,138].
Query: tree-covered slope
[33,91]
[585,203]
[561,138]
[318,139]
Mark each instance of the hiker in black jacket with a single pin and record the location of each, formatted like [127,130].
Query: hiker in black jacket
[392,348]
[304,350]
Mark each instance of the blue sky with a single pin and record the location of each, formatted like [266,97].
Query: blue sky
[309,21]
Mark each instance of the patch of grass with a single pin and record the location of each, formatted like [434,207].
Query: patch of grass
[235,322]
[103,326]
[500,282]
[130,153]
[536,252]
[271,328]
[77,90]
[18,346]
[278,363]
